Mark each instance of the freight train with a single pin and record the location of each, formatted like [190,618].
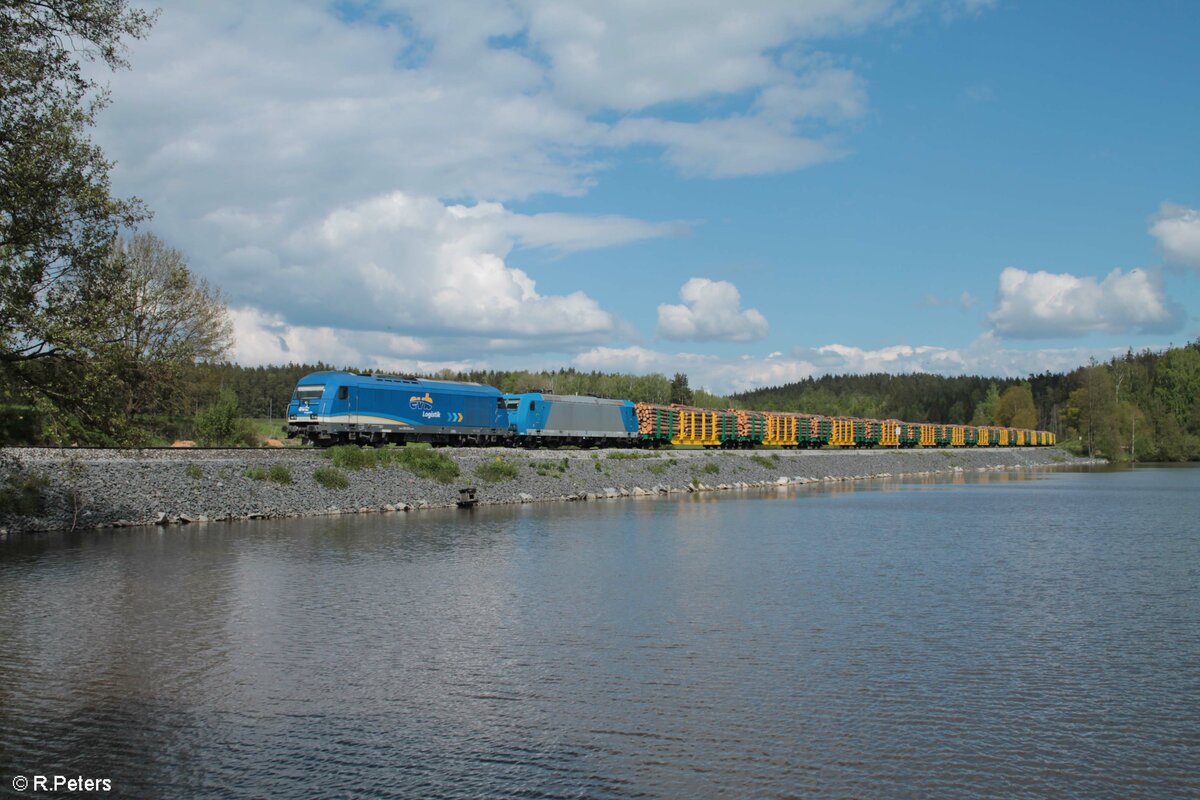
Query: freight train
[344,408]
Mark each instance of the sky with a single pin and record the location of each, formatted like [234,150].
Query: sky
[748,193]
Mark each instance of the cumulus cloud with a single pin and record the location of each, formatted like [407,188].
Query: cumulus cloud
[352,166]
[711,310]
[1042,304]
[1177,230]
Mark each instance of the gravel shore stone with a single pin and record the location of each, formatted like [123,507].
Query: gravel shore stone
[120,488]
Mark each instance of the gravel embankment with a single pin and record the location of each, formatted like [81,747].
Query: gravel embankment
[95,489]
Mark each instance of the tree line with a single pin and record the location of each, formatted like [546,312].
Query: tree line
[1141,406]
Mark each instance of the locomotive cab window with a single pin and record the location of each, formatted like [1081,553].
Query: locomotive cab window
[309,392]
[531,405]
[343,392]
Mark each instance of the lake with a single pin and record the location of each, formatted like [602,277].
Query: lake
[1032,634]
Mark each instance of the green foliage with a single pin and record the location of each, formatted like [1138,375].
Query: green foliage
[711,468]
[58,217]
[985,411]
[256,473]
[330,477]
[194,472]
[22,493]
[424,462]
[680,391]
[497,470]
[220,426]
[1015,408]
[620,455]
[353,457]
[276,473]
[660,468]
[769,462]
[553,469]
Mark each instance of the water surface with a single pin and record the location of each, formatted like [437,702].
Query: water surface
[1030,635]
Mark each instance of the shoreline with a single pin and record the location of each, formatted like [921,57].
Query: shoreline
[97,489]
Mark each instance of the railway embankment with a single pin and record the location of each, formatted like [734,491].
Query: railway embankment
[89,489]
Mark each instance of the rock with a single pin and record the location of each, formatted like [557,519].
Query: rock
[781,481]
[183,443]
[272,443]
[525,497]
[161,518]
[388,507]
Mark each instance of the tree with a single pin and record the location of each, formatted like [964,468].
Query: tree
[162,319]
[985,410]
[1015,407]
[680,391]
[57,214]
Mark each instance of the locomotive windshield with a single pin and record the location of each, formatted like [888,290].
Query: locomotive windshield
[309,392]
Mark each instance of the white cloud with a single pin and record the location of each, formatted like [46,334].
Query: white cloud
[721,375]
[1042,304]
[1177,230]
[415,265]
[304,154]
[711,310]
[964,301]
[985,355]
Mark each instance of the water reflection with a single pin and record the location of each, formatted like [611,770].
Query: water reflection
[1007,634]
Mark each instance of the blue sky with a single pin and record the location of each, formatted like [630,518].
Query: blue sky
[750,195]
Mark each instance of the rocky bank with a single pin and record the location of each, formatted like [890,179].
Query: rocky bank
[105,488]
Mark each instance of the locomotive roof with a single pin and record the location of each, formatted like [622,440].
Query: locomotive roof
[354,379]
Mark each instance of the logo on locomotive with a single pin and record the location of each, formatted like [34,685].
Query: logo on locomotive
[424,405]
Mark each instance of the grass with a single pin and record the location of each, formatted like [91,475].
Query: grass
[623,454]
[330,477]
[657,469]
[193,472]
[497,470]
[766,461]
[276,473]
[424,462]
[712,468]
[552,469]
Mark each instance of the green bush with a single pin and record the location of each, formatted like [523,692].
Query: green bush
[353,457]
[549,468]
[193,472]
[276,473]
[424,462]
[279,473]
[330,477]
[712,468]
[657,469]
[219,424]
[764,461]
[497,470]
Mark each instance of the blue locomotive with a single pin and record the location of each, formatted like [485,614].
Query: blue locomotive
[342,407]
[538,419]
